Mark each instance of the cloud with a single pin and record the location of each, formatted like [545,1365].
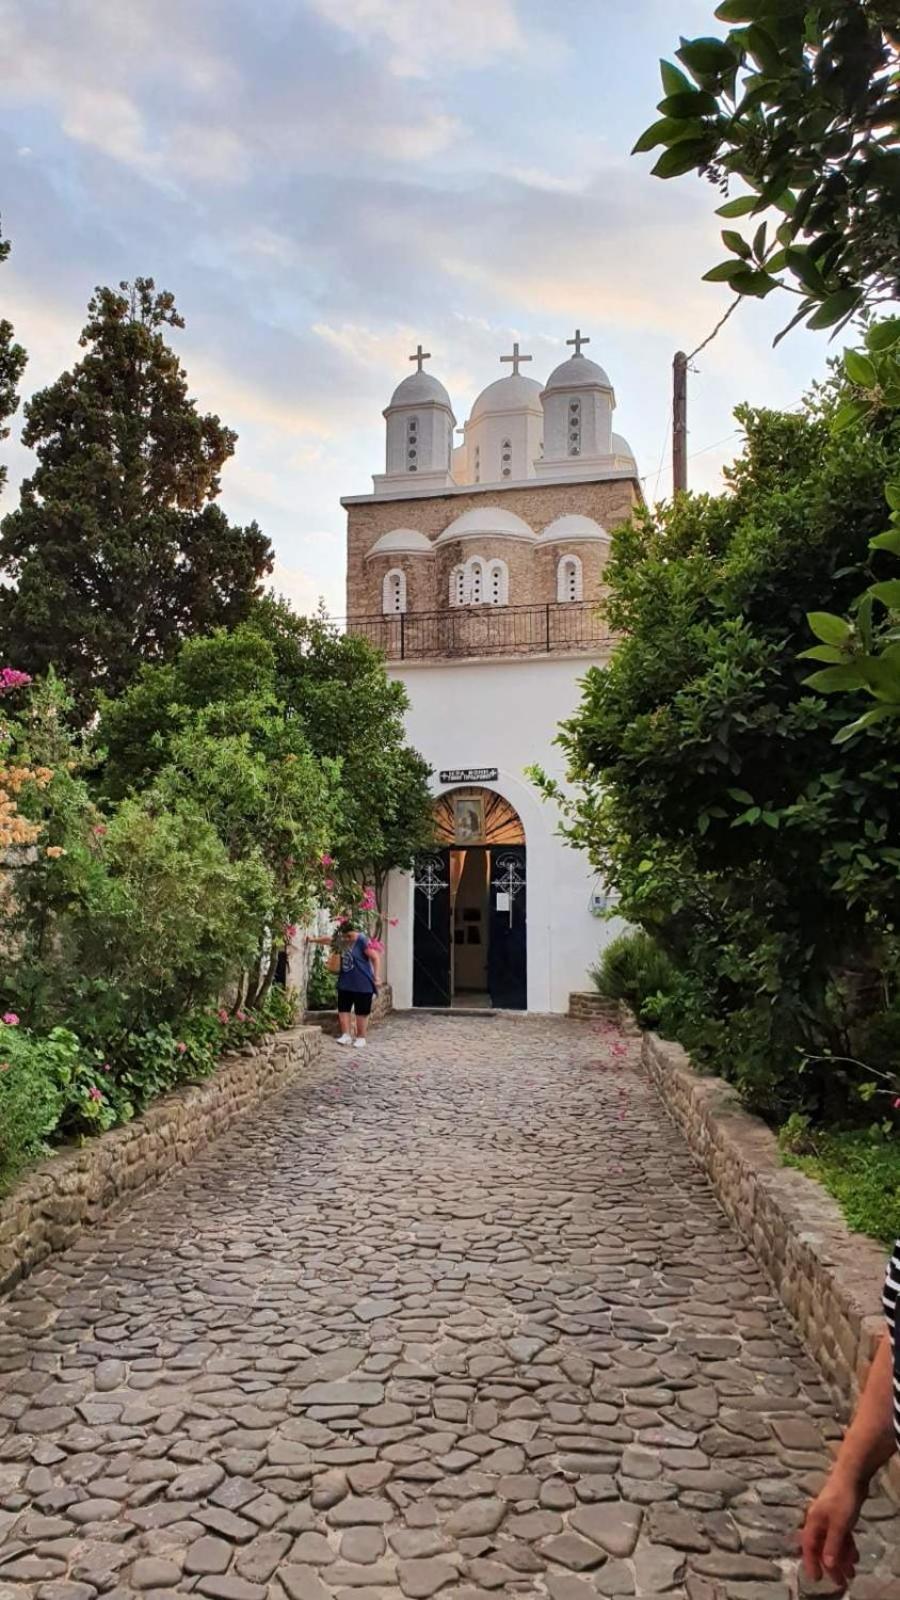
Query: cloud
[423,39]
[305,592]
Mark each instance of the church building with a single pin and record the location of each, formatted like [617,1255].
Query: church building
[477,567]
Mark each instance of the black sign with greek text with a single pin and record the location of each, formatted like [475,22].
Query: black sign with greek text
[469,775]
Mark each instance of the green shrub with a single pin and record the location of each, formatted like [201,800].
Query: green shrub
[32,1096]
[859,1167]
[633,968]
[321,988]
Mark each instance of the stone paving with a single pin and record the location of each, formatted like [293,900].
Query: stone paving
[456,1316]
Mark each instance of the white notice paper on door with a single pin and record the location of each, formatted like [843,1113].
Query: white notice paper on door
[502,901]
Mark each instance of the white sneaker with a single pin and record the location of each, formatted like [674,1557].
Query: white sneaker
[346,1038]
[359,1044]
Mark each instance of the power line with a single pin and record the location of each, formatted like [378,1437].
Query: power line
[717,329]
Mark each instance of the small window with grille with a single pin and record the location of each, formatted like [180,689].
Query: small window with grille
[393,592]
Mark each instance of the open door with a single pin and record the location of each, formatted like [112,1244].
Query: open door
[507,958]
[431,929]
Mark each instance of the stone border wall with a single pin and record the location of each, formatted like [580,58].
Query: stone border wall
[76,1189]
[588,1005]
[328,1020]
[829,1279]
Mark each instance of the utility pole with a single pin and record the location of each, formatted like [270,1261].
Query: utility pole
[679,423]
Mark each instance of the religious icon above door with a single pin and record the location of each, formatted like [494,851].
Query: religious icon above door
[468,819]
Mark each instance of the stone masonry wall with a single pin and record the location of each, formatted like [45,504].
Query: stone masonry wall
[72,1191]
[828,1278]
[608,501]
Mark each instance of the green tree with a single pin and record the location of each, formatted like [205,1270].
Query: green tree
[117,551]
[800,103]
[12,365]
[211,730]
[707,787]
[119,919]
[352,712]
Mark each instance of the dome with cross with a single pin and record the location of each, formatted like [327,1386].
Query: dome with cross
[504,432]
[578,372]
[578,403]
[420,423]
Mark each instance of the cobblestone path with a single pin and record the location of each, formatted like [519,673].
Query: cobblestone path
[459,1317]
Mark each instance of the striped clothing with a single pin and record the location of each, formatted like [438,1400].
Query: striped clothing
[892,1312]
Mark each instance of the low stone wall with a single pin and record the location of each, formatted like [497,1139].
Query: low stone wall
[829,1279]
[75,1189]
[586,1005]
[328,1020]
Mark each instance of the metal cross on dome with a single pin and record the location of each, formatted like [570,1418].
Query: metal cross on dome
[578,341]
[421,356]
[516,359]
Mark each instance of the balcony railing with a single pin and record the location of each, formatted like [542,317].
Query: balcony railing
[561,627]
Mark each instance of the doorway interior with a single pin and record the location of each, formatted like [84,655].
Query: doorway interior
[469,941]
[470,885]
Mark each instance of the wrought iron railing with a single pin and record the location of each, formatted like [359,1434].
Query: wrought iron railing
[560,626]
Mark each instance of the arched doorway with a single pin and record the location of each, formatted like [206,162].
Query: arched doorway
[470,902]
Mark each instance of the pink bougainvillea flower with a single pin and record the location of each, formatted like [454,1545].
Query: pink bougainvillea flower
[222,1015]
[241,1016]
[94,1093]
[181,1047]
[290,930]
[340,921]
[10,1018]
[394,922]
[329,883]
[896,1102]
[99,830]
[325,860]
[11,678]
[375,944]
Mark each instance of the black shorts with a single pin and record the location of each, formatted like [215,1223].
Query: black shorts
[351,1000]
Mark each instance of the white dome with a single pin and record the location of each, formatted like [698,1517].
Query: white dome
[571,529]
[621,447]
[488,522]
[513,393]
[401,541]
[579,372]
[420,388]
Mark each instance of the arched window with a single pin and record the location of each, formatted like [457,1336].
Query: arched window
[569,579]
[458,586]
[497,584]
[476,581]
[393,592]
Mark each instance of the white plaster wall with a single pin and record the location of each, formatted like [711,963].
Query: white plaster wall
[596,424]
[505,714]
[434,439]
[524,430]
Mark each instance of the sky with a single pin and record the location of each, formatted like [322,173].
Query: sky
[324,183]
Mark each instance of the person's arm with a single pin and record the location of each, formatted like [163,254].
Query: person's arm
[312,939]
[827,1542]
[372,958]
